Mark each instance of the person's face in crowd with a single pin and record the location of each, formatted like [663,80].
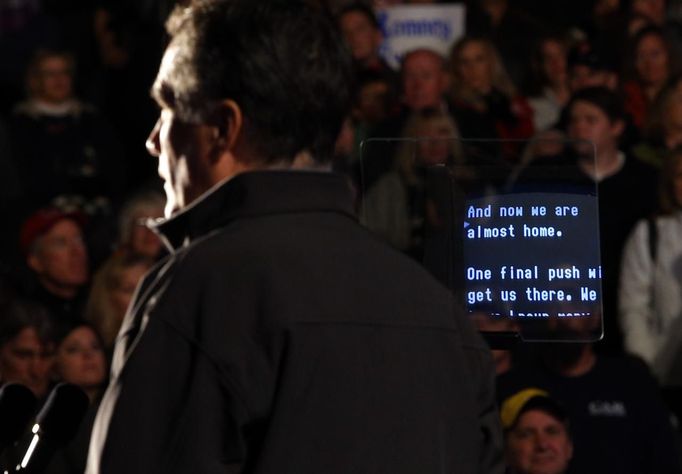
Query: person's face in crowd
[474,67]
[80,358]
[424,80]
[589,123]
[143,241]
[539,444]
[60,258]
[653,10]
[435,145]
[372,101]
[26,360]
[362,37]
[554,61]
[184,149]
[54,80]
[673,111]
[122,293]
[582,77]
[651,60]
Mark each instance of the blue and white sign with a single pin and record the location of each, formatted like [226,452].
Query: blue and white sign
[410,27]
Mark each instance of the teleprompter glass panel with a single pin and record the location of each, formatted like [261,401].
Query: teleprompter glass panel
[511,227]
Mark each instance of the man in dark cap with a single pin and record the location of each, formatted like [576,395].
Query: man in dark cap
[588,69]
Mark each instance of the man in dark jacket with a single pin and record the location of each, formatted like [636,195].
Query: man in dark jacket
[279,335]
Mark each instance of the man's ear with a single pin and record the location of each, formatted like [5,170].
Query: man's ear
[229,125]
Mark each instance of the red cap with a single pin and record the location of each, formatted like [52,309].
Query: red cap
[40,222]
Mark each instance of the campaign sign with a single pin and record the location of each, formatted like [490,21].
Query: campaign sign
[410,27]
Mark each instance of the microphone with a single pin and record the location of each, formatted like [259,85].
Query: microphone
[55,426]
[17,406]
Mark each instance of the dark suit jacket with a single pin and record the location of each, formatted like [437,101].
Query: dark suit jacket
[281,337]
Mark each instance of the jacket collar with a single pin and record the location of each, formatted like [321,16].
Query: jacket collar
[257,193]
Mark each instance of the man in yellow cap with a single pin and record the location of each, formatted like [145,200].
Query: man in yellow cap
[536,433]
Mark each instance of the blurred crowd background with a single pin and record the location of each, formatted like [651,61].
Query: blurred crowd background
[77,187]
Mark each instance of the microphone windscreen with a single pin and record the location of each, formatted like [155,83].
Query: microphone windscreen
[62,413]
[17,407]
[55,426]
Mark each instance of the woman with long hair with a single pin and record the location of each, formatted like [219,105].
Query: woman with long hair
[651,66]
[80,359]
[397,207]
[548,88]
[486,103]
[112,289]
[663,127]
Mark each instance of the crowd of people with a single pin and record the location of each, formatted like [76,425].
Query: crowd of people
[599,99]
[522,86]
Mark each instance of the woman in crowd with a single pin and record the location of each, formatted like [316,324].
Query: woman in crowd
[549,88]
[650,293]
[135,238]
[397,207]
[663,128]
[112,289]
[485,101]
[80,359]
[651,65]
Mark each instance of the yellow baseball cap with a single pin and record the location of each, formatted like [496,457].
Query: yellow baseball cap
[526,399]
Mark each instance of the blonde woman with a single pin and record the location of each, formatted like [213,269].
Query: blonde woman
[112,289]
[485,101]
[396,206]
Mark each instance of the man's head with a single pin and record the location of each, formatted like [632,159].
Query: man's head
[361,32]
[425,79]
[246,85]
[587,69]
[536,433]
[595,116]
[26,347]
[52,242]
[50,77]
[373,98]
